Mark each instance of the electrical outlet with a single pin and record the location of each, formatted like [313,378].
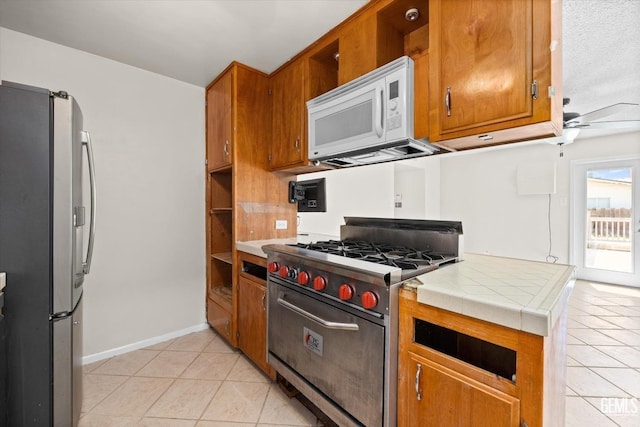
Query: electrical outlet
[281,224]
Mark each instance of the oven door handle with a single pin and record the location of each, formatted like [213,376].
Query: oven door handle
[327,324]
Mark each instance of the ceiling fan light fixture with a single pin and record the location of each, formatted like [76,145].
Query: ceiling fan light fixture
[569,134]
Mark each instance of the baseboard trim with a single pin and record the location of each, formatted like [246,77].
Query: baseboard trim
[142,344]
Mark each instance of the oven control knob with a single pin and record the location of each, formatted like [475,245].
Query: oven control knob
[284,271]
[292,273]
[319,283]
[273,267]
[345,292]
[303,278]
[369,300]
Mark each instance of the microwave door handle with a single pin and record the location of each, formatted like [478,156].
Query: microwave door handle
[379,112]
[86,141]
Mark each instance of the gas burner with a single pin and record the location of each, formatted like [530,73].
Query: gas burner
[393,255]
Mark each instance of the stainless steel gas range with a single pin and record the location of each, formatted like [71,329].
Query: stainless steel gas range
[332,311]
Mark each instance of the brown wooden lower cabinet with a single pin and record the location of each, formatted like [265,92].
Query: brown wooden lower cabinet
[442,397]
[252,310]
[220,319]
[455,370]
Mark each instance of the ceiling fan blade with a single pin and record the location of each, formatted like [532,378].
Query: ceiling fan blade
[601,113]
[618,124]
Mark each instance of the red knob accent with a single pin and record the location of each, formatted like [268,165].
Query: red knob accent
[284,271]
[369,300]
[319,283]
[273,267]
[303,278]
[345,292]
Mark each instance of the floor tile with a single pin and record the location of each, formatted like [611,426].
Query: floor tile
[244,370]
[627,355]
[592,337]
[96,420]
[126,364]
[224,424]
[134,397]
[160,346]
[185,399]
[626,337]
[626,322]
[581,413]
[625,301]
[211,366]
[585,382]
[279,409]
[196,341]
[237,401]
[597,310]
[92,366]
[571,340]
[165,422]
[625,379]
[595,322]
[623,311]
[620,410]
[168,364]
[590,356]
[96,387]
[219,345]
[572,362]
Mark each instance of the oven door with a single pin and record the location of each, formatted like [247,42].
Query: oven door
[337,352]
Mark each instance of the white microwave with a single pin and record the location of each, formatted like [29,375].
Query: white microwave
[367,120]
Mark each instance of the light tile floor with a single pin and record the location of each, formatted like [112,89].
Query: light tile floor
[603,356]
[193,381]
[199,381]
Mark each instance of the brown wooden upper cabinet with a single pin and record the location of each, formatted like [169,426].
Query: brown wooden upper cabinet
[491,68]
[289,116]
[219,121]
[366,44]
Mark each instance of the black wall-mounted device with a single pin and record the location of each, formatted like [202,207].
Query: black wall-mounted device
[310,195]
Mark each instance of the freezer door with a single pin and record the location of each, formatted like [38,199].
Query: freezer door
[68,209]
[67,369]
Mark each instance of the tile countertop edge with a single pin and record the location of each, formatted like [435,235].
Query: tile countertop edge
[537,317]
[254,247]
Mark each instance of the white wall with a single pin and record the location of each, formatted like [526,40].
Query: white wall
[359,191]
[148,273]
[479,188]
[369,191]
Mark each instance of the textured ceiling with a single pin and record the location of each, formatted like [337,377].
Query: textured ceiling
[193,41]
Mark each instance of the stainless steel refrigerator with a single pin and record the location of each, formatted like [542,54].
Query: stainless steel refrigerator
[42,220]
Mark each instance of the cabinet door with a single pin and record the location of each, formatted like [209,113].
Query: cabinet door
[432,395]
[252,321]
[288,142]
[481,63]
[219,122]
[220,320]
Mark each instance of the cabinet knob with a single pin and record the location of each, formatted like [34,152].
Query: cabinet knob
[225,148]
[297,143]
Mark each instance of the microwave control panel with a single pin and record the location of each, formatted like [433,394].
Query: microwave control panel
[394,112]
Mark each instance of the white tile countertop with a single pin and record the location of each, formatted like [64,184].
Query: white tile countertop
[520,294]
[254,247]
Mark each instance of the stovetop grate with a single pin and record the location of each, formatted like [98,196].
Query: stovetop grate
[396,256]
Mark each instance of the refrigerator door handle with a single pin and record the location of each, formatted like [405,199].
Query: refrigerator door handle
[86,141]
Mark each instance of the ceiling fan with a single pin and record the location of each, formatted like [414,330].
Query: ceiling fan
[573,123]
